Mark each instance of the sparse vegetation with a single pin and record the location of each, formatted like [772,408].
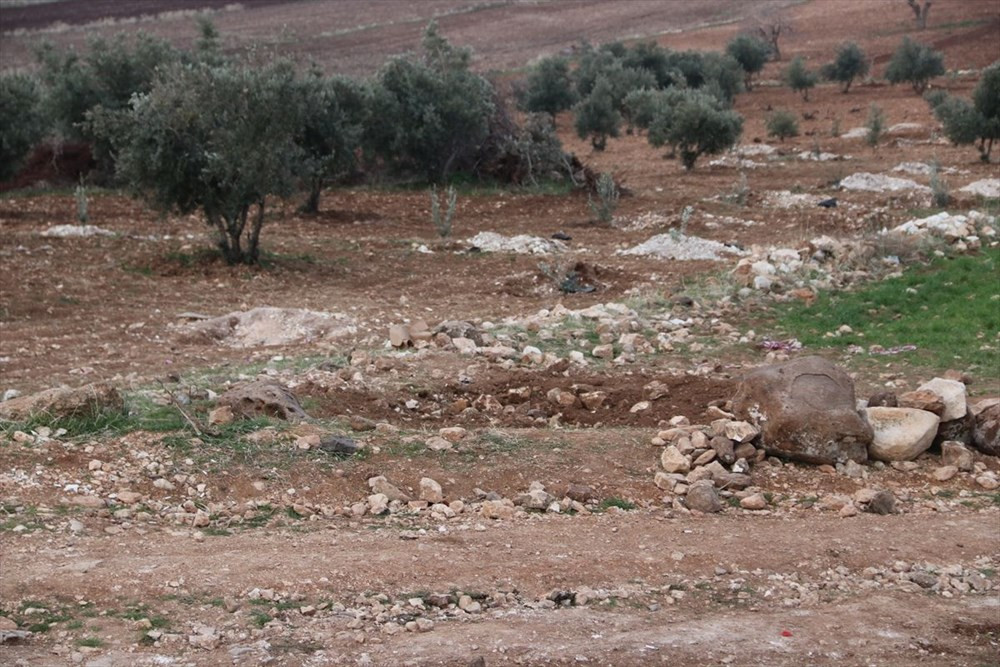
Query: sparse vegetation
[782,124]
[442,220]
[875,124]
[607,199]
[849,64]
[978,121]
[915,64]
[799,78]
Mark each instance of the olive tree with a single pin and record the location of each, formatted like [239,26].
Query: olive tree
[799,78]
[335,111]
[549,87]
[968,122]
[849,63]
[21,124]
[216,139]
[915,64]
[596,115]
[430,116]
[782,124]
[751,53]
[696,123]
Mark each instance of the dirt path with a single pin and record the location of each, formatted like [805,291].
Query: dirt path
[639,552]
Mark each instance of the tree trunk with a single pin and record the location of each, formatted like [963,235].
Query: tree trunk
[920,13]
[311,205]
[748,81]
[253,245]
[599,142]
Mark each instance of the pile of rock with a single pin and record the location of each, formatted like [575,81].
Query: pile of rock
[704,463]
[962,232]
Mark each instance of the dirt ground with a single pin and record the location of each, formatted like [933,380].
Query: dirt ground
[283,572]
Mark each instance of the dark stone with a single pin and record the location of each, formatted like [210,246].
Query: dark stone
[806,411]
[883,399]
[883,503]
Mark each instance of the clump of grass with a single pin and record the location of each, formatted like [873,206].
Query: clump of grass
[91,642]
[615,501]
[607,199]
[948,309]
[875,125]
[442,221]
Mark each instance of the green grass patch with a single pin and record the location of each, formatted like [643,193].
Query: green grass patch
[949,309]
[614,501]
[91,642]
[260,618]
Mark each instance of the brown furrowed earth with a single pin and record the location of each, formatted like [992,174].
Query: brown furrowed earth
[152,545]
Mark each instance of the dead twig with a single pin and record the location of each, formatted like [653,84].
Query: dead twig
[198,431]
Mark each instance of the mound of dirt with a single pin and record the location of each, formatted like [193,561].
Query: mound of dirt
[267,326]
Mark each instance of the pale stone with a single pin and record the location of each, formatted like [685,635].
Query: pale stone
[900,434]
[430,490]
[453,433]
[673,461]
[755,501]
[952,393]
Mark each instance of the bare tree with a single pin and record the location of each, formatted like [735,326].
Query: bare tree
[920,11]
[770,29]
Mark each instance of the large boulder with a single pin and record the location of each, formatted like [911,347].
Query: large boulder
[901,434]
[986,434]
[61,402]
[805,409]
[263,398]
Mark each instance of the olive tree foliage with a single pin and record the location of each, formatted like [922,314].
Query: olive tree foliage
[596,115]
[21,124]
[549,88]
[107,75]
[751,53]
[800,78]
[968,122]
[219,139]
[695,123]
[432,114]
[334,114]
[782,124]
[849,63]
[915,64]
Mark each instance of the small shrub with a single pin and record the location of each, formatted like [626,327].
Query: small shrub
[615,501]
[607,198]
[916,64]
[80,194]
[442,222]
[849,64]
[782,124]
[968,122]
[835,128]
[799,78]
[940,196]
[875,125]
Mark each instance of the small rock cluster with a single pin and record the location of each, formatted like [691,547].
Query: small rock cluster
[704,463]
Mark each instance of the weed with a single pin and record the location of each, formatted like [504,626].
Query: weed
[442,222]
[607,198]
[80,194]
[615,501]
[875,125]
[90,642]
[939,189]
[260,618]
[835,128]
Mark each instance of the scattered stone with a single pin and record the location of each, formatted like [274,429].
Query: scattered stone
[580,492]
[453,433]
[754,502]
[952,395]
[561,397]
[944,473]
[883,502]
[740,431]
[436,443]
[336,444]
[805,409]
[62,402]
[497,509]
[723,448]
[922,399]
[522,244]
[864,181]
[703,497]
[263,398]
[673,461]
[592,400]
[986,432]
[900,434]
[988,188]
[430,490]
[266,326]
[682,247]
[221,416]
[380,485]
[956,454]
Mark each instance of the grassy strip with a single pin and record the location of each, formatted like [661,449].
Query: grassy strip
[949,309]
